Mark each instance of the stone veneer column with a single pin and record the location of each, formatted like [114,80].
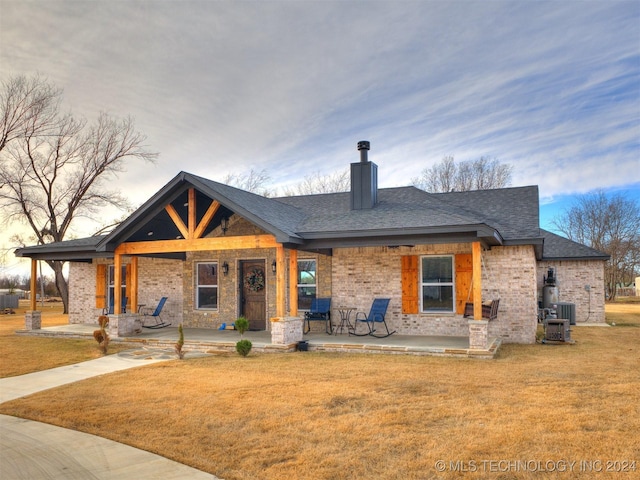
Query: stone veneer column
[286,330]
[124,325]
[32,320]
[478,334]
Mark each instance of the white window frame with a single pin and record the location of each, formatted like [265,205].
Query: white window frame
[197,286]
[111,278]
[451,284]
[307,285]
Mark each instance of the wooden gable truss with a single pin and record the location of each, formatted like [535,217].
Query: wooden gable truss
[193,241]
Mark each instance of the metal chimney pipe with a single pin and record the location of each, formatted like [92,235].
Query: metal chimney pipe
[363,147]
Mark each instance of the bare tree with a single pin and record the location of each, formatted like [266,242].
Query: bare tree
[54,168]
[447,176]
[10,282]
[321,183]
[252,181]
[610,224]
[28,105]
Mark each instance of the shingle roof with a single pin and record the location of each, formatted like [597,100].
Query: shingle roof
[561,248]
[76,249]
[500,216]
[263,211]
[514,212]
[397,208]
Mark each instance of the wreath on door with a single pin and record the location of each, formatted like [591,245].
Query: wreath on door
[254,280]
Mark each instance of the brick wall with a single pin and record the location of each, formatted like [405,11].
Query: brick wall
[510,275]
[353,277]
[572,277]
[229,285]
[82,293]
[364,273]
[157,278]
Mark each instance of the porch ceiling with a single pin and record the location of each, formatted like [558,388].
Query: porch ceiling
[158,225]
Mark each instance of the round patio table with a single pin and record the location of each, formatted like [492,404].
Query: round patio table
[345,319]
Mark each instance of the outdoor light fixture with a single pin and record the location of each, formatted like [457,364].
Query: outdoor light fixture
[224,224]
[273,266]
[225,268]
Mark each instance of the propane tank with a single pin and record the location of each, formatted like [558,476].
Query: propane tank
[549,290]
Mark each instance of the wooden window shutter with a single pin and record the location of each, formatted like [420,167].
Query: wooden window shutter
[101,285]
[410,303]
[464,274]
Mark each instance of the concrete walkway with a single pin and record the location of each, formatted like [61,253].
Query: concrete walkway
[38,451]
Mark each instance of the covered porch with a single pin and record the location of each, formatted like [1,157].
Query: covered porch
[213,342]
[184,225]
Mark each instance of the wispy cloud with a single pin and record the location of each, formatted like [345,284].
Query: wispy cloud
[551,87]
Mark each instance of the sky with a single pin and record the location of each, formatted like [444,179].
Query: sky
[222,87]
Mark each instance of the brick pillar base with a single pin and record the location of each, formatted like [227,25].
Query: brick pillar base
[478,334]
[125,325]
[286,330]
[32,320]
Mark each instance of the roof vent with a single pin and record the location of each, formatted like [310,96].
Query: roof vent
[364,180]
[364,147]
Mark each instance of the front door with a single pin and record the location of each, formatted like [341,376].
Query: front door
[253,288]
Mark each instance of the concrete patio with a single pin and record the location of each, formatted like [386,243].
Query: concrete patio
[223,341]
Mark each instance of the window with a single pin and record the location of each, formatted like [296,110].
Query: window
[306,283]
[207,286]
[111,280]
[437,284]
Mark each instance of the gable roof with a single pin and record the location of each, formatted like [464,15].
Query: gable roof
[270,216]
[402,216]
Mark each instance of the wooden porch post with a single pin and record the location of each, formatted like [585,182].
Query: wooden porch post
[33,283]
[133,294]
[280,285]
[293,283]
[117,282]
[476,253]
[192,213]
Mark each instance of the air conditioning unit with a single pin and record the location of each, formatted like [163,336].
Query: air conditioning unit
[567,311]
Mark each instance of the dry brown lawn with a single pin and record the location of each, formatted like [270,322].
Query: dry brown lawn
[331,416]
[20,355]
[625,311]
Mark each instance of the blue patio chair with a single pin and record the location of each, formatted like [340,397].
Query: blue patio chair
[123,309]
[156,315]
[320,310]
[376,315]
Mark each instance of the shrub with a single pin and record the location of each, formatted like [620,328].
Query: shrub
[180,343]
[101,336]
[243,347]
[242,325]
